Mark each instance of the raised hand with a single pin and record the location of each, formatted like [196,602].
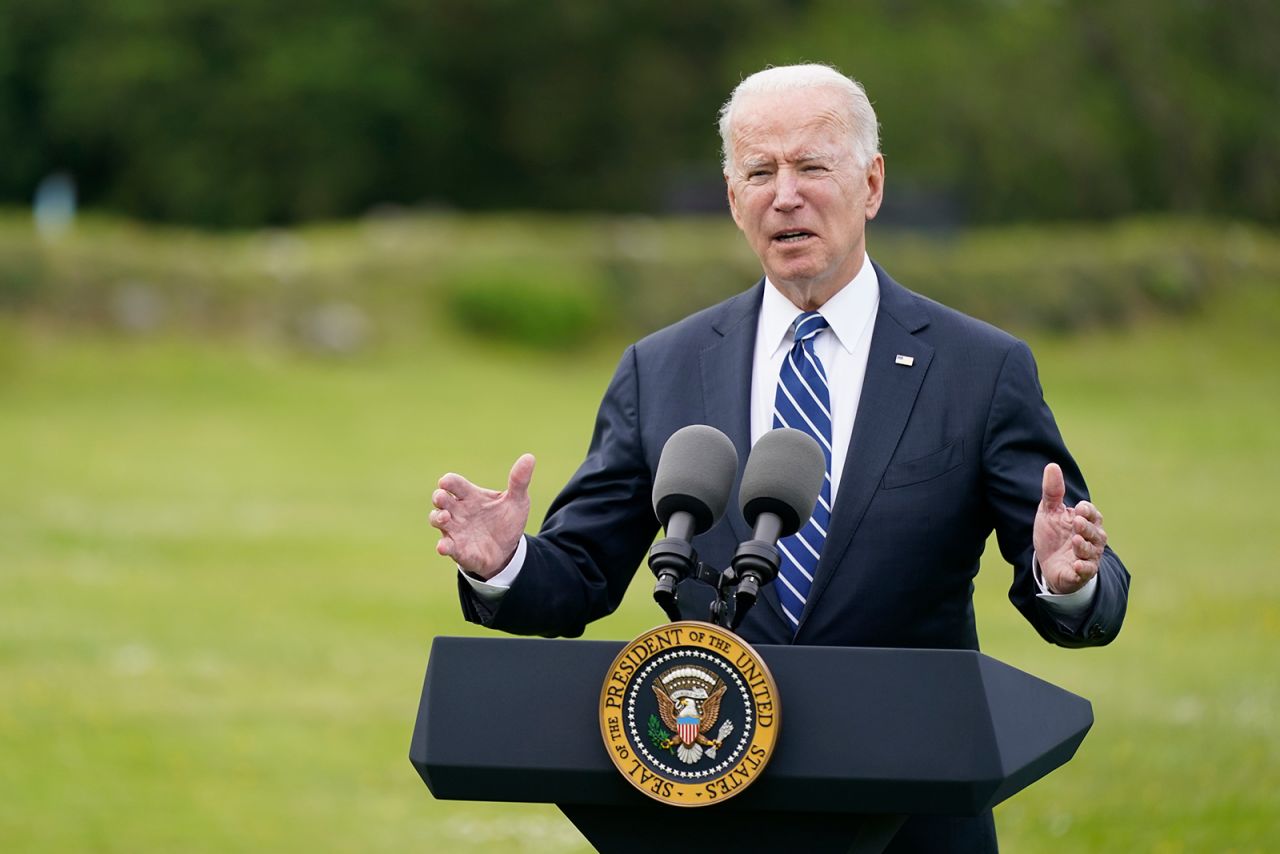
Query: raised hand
[480,528]
[1068,540]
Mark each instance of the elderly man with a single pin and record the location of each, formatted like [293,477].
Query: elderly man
[933,423]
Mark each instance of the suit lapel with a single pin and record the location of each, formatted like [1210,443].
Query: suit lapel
[889,392]
[726,383]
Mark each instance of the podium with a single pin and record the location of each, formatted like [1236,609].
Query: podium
[867,738]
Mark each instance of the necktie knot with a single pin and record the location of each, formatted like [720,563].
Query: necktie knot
[808,325]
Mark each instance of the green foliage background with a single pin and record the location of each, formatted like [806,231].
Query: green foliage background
[255,112]
[438,224]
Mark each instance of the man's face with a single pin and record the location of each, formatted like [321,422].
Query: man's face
[797,192]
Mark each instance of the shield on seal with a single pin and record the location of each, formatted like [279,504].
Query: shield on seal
[687,729]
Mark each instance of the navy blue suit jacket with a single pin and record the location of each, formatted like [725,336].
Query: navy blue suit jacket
[943,452]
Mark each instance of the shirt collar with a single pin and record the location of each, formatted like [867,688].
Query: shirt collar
[848,311]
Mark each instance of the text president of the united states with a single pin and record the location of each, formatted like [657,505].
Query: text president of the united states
[934,427]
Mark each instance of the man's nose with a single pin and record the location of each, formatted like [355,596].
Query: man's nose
[787,191]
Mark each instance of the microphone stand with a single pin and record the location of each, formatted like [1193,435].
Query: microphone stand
[737,586]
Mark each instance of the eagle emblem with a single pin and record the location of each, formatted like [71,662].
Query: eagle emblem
[689,714]
[689,706]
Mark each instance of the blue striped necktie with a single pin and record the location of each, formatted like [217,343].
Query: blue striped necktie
[803,402]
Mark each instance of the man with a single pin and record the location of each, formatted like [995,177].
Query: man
[933,423]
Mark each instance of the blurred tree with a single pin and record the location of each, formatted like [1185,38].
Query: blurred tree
[1049,110]
[245,112]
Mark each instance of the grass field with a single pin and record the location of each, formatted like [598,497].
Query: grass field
[218,588]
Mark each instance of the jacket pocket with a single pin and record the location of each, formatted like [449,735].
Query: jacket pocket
[924,468]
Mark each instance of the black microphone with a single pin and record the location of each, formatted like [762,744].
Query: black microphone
[690,492]
[779,489]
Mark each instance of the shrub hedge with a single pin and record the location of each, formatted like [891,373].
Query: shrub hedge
[556,282]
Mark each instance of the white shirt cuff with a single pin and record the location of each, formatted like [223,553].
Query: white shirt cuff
[1065,605]
[495,588]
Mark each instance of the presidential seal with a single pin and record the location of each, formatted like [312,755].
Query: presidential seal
[689,714]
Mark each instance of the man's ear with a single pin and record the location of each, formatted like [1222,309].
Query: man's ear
[875,185]
[733,200]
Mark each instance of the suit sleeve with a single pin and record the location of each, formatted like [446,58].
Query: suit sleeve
[1021,438]
[594,536]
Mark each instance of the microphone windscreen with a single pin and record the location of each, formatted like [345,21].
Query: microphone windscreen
[783,476]
[695,473]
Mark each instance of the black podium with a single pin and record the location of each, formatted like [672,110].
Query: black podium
[868,736]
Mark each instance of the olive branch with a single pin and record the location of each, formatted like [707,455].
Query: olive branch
[658,734]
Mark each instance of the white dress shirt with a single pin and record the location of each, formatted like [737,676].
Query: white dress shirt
[843,349]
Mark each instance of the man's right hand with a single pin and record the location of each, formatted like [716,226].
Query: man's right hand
[480,528]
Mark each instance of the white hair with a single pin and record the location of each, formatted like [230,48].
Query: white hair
[865,130]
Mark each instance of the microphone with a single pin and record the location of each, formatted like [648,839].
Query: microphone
[690,492]
[779,489]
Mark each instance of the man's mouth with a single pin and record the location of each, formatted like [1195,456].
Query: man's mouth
[792,236]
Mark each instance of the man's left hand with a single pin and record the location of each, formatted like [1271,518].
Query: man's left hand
[1068,540]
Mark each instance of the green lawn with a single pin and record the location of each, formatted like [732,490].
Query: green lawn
[218,587]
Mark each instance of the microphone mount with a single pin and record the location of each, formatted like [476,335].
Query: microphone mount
[737,586]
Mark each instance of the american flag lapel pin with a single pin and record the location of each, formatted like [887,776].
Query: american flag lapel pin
[906,361]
